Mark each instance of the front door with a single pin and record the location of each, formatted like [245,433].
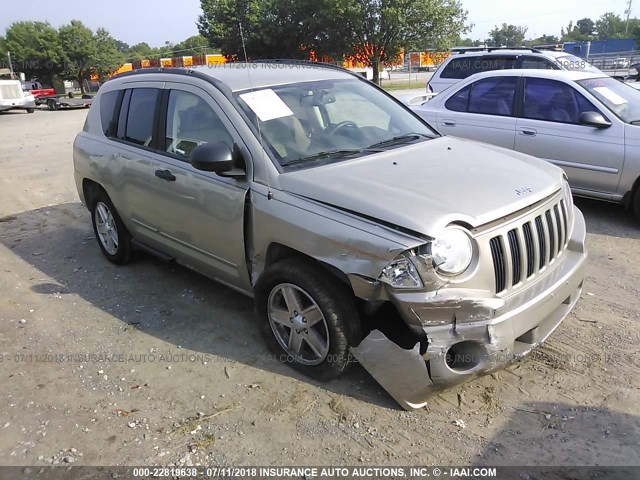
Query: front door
[549,128]
[199,215]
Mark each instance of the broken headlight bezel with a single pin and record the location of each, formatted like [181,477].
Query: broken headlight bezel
[401,273]
[460,260]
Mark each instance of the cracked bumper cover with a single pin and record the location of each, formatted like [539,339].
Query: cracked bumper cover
[490,332]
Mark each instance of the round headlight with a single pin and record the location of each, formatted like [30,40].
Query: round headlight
[452,251]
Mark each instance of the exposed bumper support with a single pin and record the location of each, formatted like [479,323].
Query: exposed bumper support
[494,333]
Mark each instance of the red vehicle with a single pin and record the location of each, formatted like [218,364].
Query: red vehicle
[36,89]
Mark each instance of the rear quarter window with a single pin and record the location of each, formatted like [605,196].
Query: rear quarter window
[108,103]
[463,67]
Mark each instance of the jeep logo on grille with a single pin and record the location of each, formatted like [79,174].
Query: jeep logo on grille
[523,190]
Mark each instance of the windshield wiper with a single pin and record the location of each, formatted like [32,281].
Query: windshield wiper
[634,122]
[331,154]
[409,137]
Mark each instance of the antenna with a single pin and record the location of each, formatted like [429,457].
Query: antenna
[264,157]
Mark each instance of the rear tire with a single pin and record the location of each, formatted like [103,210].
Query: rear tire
[308,317]
[31,110]
[112,236]
[52,104]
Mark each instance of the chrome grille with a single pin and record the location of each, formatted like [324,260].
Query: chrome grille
[530,247]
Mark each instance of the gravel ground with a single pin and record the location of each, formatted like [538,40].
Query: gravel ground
[153,364]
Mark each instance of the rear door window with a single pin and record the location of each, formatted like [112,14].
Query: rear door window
[493,96]
[463,67]
[537,63]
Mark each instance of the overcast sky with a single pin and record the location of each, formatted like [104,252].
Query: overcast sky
[154,22]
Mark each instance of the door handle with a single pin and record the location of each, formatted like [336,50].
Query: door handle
[449,123]
[529,132]
[166,175]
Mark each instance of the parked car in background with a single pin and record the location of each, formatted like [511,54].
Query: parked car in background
[587,123]
[323,197]
[36,89]
[12,97]
[464,63]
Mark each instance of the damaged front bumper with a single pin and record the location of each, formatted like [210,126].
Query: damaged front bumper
[488,332]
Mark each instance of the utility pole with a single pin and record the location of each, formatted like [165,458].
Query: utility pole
[628,13]
[10,65]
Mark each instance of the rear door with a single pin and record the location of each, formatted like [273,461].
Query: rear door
[132,147]
[549,129]
[482,111]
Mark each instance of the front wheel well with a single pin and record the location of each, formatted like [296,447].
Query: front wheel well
[89,190]
[277,252]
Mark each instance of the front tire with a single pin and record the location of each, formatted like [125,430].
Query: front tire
[31,110]
[112,236]
[309,318]
[636,203]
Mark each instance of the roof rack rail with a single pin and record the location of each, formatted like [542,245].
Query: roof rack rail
[462,50]
[295,61]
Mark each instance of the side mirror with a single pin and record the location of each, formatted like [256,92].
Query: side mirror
[593,119]
[215,157]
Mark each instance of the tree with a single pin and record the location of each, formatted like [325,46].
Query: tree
[271,28]
[80,49]
[610,25]
[543,40]
[107,58]
[195,45]
[122,46]
[379,30]
[586,27]
[468,42]
[507,35]
[372,31]
[35,49]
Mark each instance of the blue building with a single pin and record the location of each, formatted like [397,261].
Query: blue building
[598,47]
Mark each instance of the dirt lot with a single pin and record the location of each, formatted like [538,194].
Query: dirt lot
[153,364]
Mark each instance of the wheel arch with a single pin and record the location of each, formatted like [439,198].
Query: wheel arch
[277,252]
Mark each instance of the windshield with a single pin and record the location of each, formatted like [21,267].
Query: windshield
[314,123]
[621,99]
[571,62]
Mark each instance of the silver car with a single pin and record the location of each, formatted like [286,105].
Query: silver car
[587,123]
[323,198]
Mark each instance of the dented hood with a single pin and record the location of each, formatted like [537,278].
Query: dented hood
[426,186]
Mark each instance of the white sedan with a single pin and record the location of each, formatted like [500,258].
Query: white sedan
[585,122]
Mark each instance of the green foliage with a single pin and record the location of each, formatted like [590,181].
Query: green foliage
[468,42]
[107,57]
[80,50]
[373,30]
[142,51]
[271,28]
[610,25]
[507,35]
[195,45]
[543,40]
[35,49]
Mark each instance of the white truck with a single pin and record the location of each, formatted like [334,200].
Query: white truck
[12,97]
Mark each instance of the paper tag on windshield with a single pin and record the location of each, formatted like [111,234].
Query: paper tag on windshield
[610,95]
[266,104]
